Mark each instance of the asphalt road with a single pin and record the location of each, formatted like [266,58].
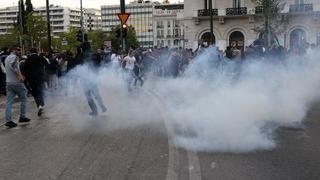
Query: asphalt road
[52,147]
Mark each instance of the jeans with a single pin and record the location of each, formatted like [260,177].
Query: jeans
[130,78]
[93,91]
[14,89]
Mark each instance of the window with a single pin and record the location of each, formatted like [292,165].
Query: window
[236,3]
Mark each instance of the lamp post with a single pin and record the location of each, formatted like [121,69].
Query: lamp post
[123,39]
[81,21]
[211,22]
[21,26]
[48,26]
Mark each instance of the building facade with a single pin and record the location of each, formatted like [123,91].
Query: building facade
[141,18]
[168,25]
[234,22]
[92,19]
[61,18]
[8,18]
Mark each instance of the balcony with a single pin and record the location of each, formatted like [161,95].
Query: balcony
[259,10]
[206,12]
[299,8]
[236,11]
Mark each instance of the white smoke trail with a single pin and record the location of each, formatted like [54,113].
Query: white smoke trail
[213,109]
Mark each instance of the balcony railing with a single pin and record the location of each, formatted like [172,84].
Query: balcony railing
[206,12]
[301,8]
[259,10]
[236,11]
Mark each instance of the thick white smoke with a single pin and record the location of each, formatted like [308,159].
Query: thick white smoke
[211,109]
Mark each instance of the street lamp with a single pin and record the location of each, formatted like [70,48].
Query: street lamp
[81,21]
[211,22]
[21,26]
[48,26]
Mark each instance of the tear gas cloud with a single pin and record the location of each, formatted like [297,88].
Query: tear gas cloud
[213,107]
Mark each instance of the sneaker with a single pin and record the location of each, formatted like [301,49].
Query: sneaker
[104,109]
[23,120]
[11,124]
[40,111]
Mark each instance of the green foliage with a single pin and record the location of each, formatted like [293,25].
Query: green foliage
[115,42]
[21,19]
[271,8]
[36,28]
[272,21]
[70,38]
[96,38]
[29,7]
[131,38]
[8,40]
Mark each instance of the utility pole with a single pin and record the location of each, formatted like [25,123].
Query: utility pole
[48,26]
[211,22]
[81,21]
[123,40]
[21,26]
[267,26]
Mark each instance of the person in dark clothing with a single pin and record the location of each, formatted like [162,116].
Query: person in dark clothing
[22,69]
[228,52]
[90,86]
[97,58]
[174,63]
[3,55]
[71,61]
[138,67]
[35,75]
[52,70]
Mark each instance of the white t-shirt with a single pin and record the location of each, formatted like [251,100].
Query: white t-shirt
[130,62]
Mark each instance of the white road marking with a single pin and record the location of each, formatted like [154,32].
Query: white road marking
[173,165]
[195,171]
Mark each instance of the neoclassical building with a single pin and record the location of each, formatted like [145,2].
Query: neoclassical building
[234,22]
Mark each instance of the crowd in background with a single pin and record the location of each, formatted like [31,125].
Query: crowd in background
[164,62]
[45,71]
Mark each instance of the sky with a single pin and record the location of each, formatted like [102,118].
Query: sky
[68,3]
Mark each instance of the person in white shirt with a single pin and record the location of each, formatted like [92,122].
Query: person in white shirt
[130,61]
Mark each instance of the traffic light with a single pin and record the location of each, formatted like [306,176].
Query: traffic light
[124,30]
[118,33]
[79,36]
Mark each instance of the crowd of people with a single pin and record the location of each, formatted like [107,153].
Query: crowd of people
[37,72]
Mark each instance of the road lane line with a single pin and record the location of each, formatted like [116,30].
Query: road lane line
[194,166]
[193,160]
[173,161]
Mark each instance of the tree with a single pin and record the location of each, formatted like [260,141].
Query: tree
[271,15]
[69,37]
[29,7]
[131,38]
[36,28]
[21,23]
[10,39]
[97,38]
